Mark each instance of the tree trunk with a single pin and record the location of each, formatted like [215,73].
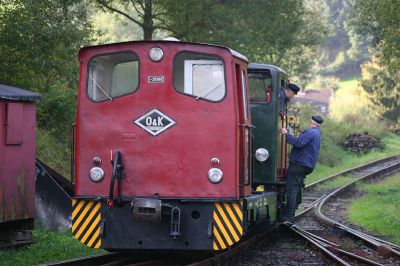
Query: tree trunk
[148,27]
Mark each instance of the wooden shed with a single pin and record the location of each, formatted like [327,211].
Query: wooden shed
[17,162]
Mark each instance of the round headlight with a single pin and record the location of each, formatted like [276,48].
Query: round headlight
[96,174]
[156,54]
[262,154]
[215,175]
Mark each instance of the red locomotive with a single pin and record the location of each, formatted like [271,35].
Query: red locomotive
[164,151]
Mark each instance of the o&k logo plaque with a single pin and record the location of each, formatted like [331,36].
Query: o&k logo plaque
[154,122]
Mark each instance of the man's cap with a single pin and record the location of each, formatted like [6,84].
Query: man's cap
[293,87]
[317,119]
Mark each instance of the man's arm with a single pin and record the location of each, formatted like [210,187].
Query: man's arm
[299,141]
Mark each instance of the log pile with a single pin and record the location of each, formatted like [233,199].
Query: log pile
[396,131]
[361,143]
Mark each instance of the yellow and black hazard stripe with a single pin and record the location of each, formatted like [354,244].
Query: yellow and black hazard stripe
[86,219]
[228,224]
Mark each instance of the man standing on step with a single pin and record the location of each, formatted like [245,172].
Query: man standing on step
[303,158]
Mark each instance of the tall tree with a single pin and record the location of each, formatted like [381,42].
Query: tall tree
[343,50]
[381,20]
[282,32]
[143,13]
[383,88]
[285,32]
[39,41]
[381,77]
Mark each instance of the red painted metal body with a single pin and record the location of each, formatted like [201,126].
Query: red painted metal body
[17,160]
[175,163]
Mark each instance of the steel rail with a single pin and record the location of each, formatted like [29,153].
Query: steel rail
[331,247]
[310,206]
[88,260]
[377,243]
[324,245]
[218,258]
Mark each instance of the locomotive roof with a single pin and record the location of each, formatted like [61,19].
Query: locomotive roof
[272,68]
[18,94]
[233,52]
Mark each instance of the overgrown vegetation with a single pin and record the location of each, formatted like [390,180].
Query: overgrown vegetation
[333,158]
[53,152]
[377,211]
[349,160]
[48,246]
[381,76]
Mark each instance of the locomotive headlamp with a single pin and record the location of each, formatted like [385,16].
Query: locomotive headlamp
[96,174]
[156,54]
[262,154]
[215,175]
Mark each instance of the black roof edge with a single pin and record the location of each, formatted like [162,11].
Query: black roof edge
[273,68]
[17,94]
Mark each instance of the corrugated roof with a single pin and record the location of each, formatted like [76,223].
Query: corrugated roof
[18,94]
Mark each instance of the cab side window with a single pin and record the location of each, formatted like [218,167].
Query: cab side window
[260,86]
[112,75]
[200,76]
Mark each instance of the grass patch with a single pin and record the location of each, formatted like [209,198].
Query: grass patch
[337,182]
[378,211]
[48,246]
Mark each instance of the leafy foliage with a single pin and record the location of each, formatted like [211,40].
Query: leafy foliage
[143,13]
[285,32]
[347,104]
[381,20]
[39,41]
[343,50]
[381,76]
[383,89]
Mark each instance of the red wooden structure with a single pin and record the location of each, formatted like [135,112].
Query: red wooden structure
[17,161]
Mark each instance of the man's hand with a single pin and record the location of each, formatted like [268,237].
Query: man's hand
[284,131]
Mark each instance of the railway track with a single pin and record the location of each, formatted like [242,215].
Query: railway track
[313,241]
[135,258]
[350,246]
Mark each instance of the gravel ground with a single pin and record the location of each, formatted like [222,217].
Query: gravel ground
[281,247]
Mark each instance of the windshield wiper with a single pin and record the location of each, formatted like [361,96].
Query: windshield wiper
[212,89]
[105,93]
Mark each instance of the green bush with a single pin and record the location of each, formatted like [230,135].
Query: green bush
[53,152]
[330,154]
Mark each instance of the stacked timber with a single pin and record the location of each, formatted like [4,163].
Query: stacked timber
[362,142]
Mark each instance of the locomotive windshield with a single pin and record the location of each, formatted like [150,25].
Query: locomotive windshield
[201,76]
[112,75]
[259,84]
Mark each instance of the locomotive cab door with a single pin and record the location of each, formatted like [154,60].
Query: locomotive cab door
[264,86]
[245,135]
